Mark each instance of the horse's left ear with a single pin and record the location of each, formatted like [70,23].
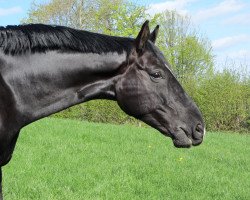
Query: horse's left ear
[142,37]
[154,34]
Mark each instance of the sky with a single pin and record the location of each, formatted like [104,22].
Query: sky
[226,23]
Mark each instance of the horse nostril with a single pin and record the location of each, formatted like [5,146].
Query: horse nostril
[199,128]
[198,133]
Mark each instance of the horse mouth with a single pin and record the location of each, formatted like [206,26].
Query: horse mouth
[181,144]
[180,139]
[183,139]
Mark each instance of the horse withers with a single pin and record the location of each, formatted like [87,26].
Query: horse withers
[45,69]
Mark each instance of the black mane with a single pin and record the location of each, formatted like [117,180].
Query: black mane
[33,38]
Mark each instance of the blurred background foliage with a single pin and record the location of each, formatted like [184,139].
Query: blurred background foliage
[222,96]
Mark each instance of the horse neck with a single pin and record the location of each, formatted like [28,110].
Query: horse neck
[43,84]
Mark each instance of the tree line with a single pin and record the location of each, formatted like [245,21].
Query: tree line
[223,97]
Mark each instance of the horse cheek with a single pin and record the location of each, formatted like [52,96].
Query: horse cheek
[135,96]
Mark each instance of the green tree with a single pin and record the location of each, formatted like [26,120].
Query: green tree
[112,17]
[225,100]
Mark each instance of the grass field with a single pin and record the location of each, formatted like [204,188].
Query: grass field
[66,159]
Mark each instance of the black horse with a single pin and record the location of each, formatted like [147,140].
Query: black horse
[45,69]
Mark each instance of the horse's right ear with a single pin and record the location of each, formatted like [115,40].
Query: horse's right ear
[142,37]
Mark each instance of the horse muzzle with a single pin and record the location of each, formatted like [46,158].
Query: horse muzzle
[185,139]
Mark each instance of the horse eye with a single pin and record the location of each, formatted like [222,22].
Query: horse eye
[156,75]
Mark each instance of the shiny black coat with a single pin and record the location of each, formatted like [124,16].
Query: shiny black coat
[45,69]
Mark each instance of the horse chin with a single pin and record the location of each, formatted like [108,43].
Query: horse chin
[179,137]
[182,144]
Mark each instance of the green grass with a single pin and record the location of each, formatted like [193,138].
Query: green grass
[66,159]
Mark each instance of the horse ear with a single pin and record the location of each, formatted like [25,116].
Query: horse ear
[154,34]
[142,37]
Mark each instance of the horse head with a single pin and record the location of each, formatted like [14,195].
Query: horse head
[150,92]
